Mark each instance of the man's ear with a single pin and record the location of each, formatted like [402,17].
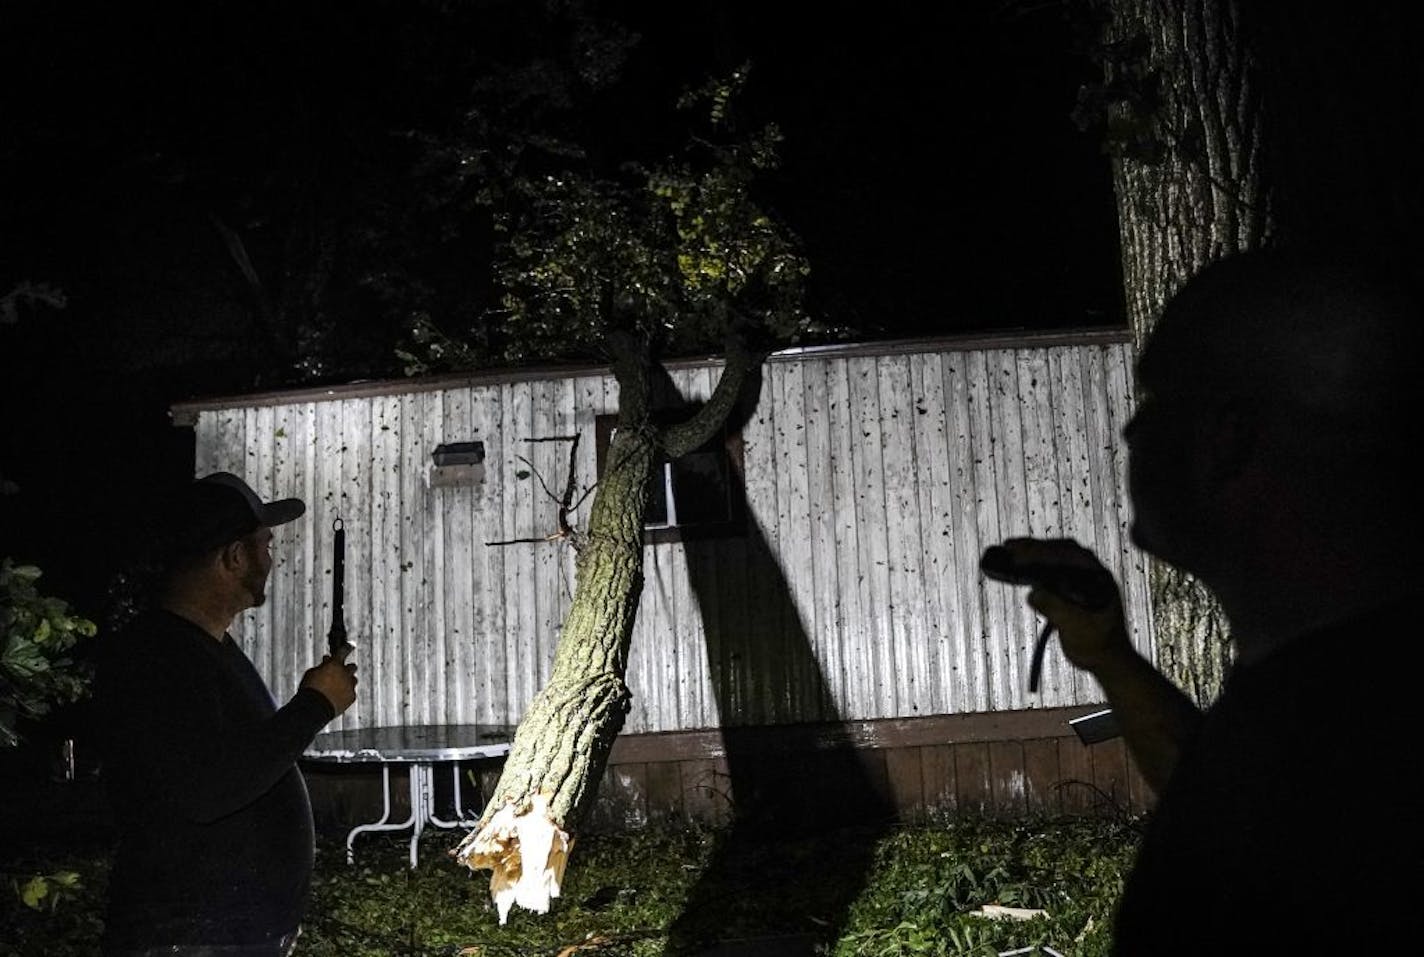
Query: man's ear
[1232,440]
[231,555]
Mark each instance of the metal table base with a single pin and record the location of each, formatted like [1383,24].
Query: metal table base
[421,748]
[422,809]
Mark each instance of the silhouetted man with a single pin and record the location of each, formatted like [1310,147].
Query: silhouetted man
[215,847]
[1270,456]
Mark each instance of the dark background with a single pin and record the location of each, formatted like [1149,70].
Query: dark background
[931,168]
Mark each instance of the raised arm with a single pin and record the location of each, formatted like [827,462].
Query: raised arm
[1156,717]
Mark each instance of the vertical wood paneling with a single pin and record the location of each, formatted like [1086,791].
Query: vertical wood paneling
[354,507]
[967,610]
[704,629]
[1075,783]
[729,590]
[972,778]
[939,557]
[791,556]
[299,638]
[521,596]
[906,780]
[997,690]
[551,460]
[1040,757]
[1007,400]
[644,677]
[229,431]
[696,618]
[1007,780]
[563,559]
[1110,771]
[659,684]
[941,788]
[209,447]
[327,504]
[867,457]
[286,541]
[423,648]
[773,590]
[1043,488]
[450,510]
[314,490]
[494,661]
[388,633]
[821,566]
[259,635]
[873,484]
[1102,435]
[905,605]
[856,693]
[739,629]
[414,641]
[758,659]
[707,790]
[1076,506]
[664,792]
[1132,564]
[678,611]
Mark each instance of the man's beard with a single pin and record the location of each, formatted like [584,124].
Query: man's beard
[256,586]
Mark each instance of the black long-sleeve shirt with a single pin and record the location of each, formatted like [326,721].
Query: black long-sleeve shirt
[215,827]
[1292,819]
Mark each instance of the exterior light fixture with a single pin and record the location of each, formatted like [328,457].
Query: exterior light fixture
[457,464]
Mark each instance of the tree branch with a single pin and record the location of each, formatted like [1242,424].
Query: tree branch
[678,440]
[551,537]
[565,502]
[542,484]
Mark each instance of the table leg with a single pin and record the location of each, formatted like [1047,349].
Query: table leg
[422,806]
[382,824]
[460,819]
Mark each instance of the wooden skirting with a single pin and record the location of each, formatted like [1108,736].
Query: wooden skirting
[1005,764]
[1002,764]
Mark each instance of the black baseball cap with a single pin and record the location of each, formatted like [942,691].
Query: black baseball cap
[218,509]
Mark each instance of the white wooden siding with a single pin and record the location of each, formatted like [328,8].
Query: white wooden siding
[873,484]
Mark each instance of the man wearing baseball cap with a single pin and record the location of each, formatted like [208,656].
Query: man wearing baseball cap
[200,765]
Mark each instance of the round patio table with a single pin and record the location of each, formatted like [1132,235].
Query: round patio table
[421,748]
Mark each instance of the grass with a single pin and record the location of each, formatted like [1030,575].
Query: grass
[856,893]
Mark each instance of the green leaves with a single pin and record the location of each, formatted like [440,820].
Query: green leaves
[47,891]
[679,252]
[664,876]
[929,882]
[37,633]
[589,240]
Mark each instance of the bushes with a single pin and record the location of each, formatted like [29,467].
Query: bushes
[37,636]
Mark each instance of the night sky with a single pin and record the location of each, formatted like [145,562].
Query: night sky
[931,170]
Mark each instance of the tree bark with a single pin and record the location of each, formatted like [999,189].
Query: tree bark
[1187,142]
[561,747]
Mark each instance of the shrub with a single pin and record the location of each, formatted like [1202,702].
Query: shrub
[37,636]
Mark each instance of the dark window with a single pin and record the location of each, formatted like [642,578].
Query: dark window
[700,495]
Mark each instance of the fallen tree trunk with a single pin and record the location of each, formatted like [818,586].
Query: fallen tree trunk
[561,746]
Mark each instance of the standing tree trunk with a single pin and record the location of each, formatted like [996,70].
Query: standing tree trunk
[1234,125]
[562,744]
[1185,128]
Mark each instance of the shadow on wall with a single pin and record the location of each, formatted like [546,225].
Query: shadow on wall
[765,666]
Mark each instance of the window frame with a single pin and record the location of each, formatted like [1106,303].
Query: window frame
[732,447]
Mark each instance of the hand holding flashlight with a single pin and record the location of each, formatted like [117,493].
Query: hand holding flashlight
[1070,588]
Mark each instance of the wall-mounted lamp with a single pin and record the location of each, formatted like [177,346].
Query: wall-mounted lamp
[457,464]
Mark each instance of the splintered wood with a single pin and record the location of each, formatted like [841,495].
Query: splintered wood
[508,845]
